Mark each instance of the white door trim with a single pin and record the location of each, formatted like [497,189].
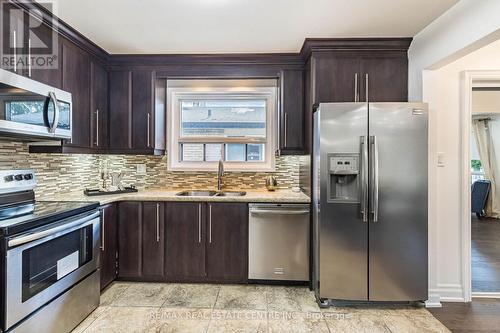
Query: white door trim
[467,78]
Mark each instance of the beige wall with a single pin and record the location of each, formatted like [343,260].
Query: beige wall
[61,173]
[441,89]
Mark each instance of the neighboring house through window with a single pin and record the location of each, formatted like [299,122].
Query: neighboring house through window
[232,120]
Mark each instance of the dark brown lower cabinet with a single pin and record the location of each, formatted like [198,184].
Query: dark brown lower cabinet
[206,242]
[227,244]
[129,240]
[185,241]
[141,253]
[153,240]
[109,248]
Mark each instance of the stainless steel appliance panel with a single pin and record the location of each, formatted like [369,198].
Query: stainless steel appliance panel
[19,305]
[398,202]
[65,312]
[31,109]
[342,233]
[279,242]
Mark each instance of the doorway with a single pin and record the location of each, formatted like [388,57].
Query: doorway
[481,182]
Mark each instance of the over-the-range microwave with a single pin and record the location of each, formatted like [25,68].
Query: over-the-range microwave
[33,110]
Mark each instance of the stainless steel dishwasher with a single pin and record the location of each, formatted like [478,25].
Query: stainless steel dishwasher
[278,242]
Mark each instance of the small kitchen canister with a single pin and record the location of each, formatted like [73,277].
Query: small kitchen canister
[271,183]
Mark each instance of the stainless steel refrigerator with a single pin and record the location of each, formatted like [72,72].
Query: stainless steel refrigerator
[370,202]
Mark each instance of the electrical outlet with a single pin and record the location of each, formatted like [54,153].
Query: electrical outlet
[141,169]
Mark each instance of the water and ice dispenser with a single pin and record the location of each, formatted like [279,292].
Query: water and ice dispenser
[343,179]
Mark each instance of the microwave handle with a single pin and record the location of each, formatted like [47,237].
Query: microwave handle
[55,120]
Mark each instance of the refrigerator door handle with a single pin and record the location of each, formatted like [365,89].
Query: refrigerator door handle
[356,95]
[374,177]
[364,178]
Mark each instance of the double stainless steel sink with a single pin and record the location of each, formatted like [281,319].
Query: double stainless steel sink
[208,193]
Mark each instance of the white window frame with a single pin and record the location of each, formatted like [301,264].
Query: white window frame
[178,90]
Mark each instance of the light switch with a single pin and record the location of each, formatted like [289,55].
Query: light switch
[440,159]
[141,169]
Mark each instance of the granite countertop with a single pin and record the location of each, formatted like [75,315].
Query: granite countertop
[170,195]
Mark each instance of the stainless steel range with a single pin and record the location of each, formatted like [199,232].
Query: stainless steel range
[49,258]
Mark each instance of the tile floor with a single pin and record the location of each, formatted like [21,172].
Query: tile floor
[162,307]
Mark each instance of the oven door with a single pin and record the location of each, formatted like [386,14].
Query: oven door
[46,262]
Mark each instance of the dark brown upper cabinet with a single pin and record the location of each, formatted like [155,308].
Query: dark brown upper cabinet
[344,70]
[109,244]
[385,75]
[99,105]
[344,76]
[336,76]
[120,109]
[76,80]
[227,243]
[291,113]
[51,75]
[136,116]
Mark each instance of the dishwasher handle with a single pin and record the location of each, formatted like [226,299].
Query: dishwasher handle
[278,212]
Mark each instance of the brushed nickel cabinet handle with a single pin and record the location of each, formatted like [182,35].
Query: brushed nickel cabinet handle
[210,224]
[103,242]
[286,129]
[157,222]
[148,133]
[97,127]
[199,223]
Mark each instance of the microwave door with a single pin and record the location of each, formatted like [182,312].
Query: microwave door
[30,109]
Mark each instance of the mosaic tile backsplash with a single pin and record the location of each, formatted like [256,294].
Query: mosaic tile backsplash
[71,173]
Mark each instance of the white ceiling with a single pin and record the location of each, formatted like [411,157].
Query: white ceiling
[232,26]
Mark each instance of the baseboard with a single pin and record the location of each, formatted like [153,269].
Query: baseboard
[434,301]
[486,295]
[445,293]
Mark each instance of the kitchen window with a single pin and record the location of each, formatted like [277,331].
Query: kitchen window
[232,120]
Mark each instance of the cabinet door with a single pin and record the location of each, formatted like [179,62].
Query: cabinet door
[99,105]
[108,244]
[227,243]
[142,109]
[185,241]
[43,45]
[120,110]
[153,240]
[13,24]
[334,76]
[387,77]
[76,80]
[292,112]
[129,240]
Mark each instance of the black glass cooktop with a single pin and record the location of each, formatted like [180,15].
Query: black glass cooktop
[22,217]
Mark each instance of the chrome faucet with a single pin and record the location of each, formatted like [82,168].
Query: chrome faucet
[220,173]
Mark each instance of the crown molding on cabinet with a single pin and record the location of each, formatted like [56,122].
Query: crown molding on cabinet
[354,44]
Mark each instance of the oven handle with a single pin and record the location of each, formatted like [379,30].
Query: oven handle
[51,231]
[278,212]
